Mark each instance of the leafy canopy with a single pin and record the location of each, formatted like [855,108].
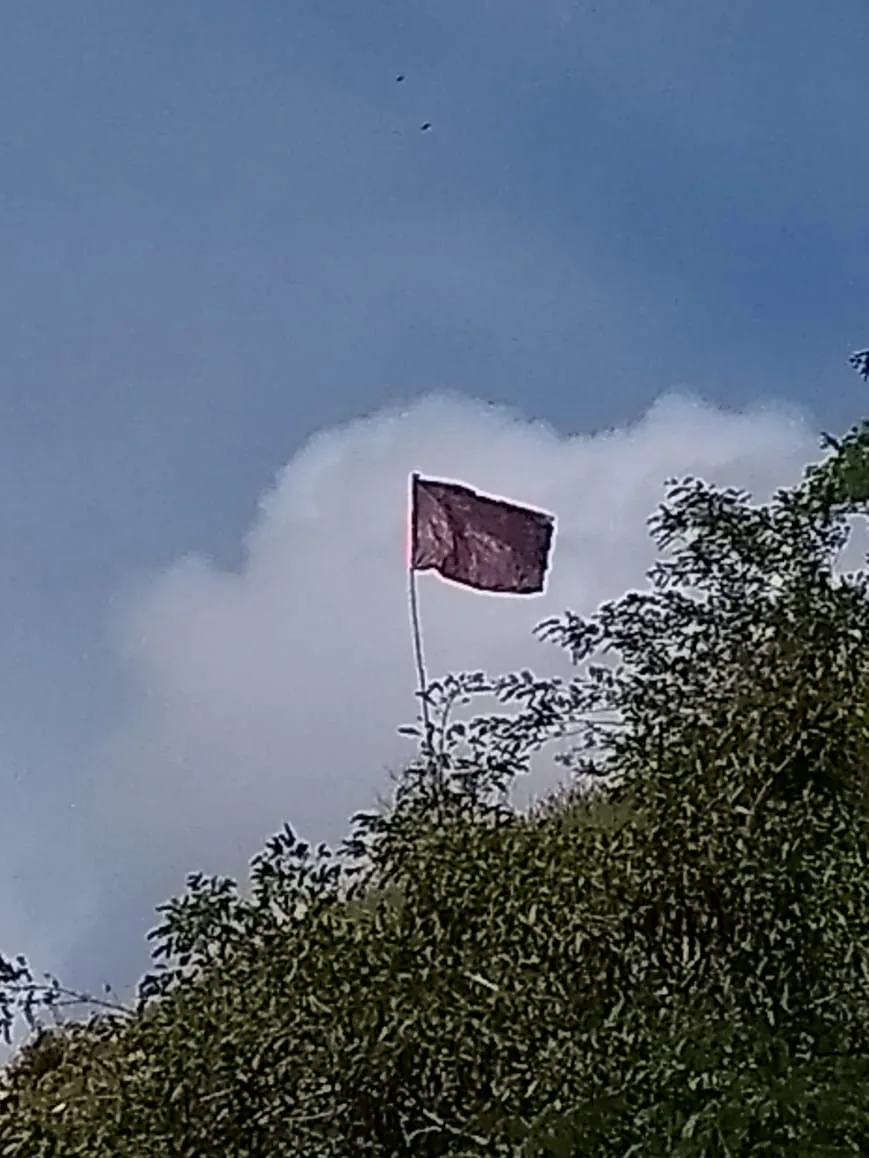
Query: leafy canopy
[670,957]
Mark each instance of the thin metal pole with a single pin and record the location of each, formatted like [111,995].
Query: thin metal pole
[417,650]
[428,746]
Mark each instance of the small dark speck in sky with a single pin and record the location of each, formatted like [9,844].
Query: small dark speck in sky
[425,128]
[400,77]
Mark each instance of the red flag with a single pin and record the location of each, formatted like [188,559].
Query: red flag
[484,543]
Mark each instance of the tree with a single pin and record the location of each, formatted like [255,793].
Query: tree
[672,960]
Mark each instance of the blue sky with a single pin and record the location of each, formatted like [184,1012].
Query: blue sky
[222,233]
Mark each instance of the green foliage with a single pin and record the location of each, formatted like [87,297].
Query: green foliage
[670,957]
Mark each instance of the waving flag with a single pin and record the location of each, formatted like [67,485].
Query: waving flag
[484,543]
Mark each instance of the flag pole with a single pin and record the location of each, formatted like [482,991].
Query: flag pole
[417,650]
[417,636]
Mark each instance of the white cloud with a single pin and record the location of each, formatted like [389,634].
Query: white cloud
[273,693]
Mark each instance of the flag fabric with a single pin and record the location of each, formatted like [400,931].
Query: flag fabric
[484,543]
